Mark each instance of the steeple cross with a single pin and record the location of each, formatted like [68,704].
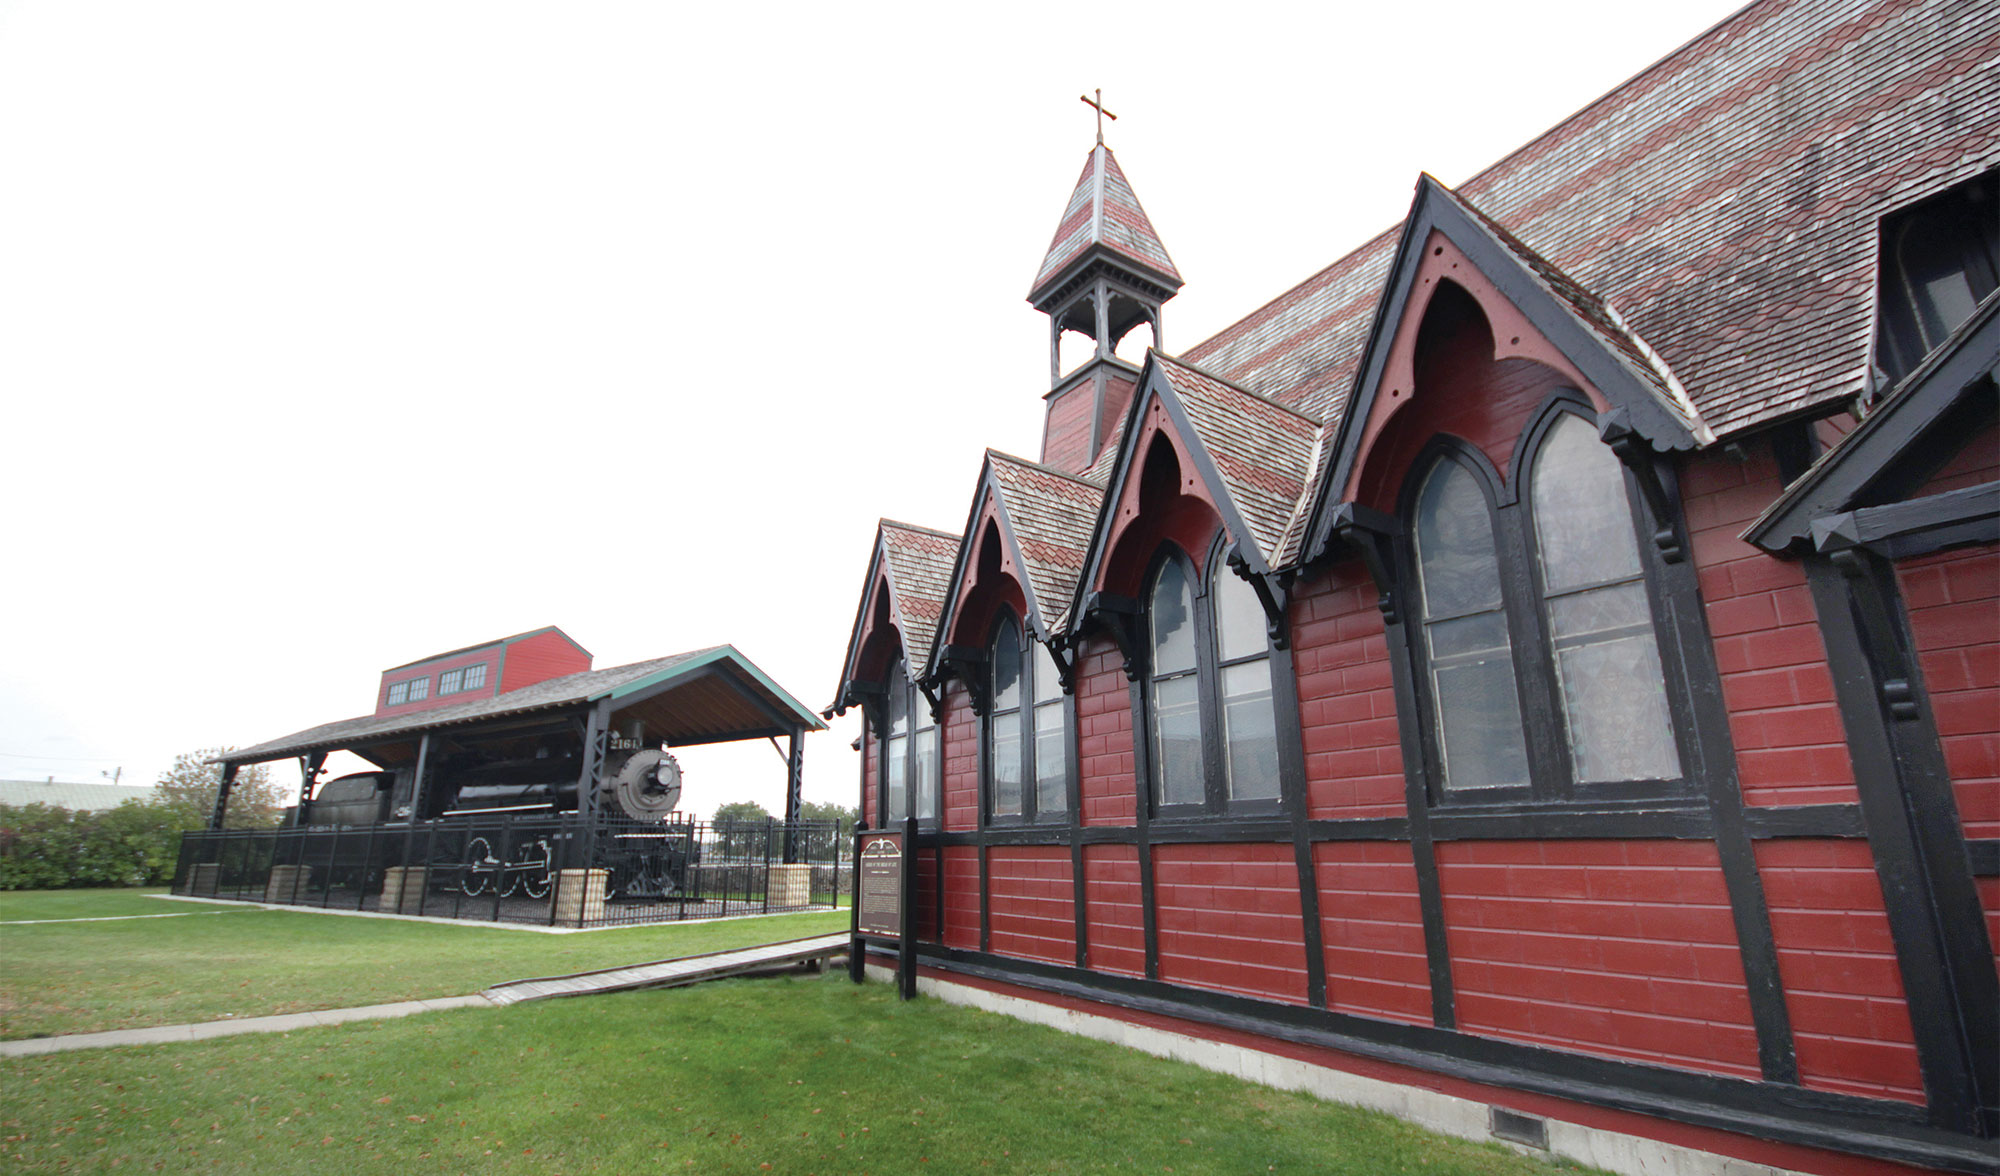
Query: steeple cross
[1102,113]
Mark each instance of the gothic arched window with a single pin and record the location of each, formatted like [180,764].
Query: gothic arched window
[909,765]
[1211,721]
[1027,729]
[1541,670]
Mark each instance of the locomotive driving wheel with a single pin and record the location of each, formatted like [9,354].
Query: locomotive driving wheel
[480,868]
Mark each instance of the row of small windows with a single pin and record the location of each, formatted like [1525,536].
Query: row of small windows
[1534,637]
[450,682]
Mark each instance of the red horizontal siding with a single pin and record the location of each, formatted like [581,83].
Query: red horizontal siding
[1615,948]
[1790,745]
[1347,699]
[1116,927]
[1850,1024]
[1373,930]
[539,658]
[1034,906]
[1066,437]
[961,896]
[1953,601]
[1229,919]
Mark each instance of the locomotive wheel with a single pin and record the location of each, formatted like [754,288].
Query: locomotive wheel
[535,868]
[478,876]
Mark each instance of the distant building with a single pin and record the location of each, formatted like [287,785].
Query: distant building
[79,798]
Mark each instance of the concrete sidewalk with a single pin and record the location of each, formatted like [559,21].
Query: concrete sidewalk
[284,1023]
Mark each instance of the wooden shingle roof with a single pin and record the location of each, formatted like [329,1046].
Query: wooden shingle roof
[1103,211]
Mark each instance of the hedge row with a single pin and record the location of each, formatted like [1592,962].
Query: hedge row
[48,848]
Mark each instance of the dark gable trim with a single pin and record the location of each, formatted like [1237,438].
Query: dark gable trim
[1876,1128]
[1917,527]
[1934,410]
[1436,208]
[1233,522]
[843,693]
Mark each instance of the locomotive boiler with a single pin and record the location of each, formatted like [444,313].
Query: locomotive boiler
[640,785]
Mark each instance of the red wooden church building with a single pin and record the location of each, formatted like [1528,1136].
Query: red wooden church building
[1540,673]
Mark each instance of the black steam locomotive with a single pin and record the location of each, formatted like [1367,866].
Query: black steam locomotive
[497,827]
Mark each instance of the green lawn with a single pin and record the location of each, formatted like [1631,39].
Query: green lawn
[81,977]
[791,1075]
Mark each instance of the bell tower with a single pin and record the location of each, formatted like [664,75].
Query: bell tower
[1105,273]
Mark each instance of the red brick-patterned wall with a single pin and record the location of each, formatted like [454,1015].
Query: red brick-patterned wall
[1791,747]
[1229,919]
[1104,735]
[961,759]
[1033,905]
[925,914]
[1347,702]
[1625,949]
[1850,1025]
[961,896]
[1953,601]
[1373,930]
[1116,934]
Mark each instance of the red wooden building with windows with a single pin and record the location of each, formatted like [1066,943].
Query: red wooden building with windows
[1549,660]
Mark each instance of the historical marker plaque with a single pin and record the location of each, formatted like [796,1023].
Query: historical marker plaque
[879,894]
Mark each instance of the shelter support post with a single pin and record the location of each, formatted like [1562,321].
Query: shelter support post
[310,767]
[795,773]
[596,746]
[222,796]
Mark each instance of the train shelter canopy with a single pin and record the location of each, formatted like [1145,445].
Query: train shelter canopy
[713,695]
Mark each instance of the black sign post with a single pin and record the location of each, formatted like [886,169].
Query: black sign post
[883,887]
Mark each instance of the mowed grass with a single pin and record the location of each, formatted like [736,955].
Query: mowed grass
[83,977]
[790,1075]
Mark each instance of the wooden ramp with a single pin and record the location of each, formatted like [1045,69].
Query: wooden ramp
[668,973]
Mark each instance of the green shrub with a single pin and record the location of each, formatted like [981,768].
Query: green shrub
[48,848]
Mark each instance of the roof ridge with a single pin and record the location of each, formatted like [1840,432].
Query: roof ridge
[903,526]
[1233,386]
[1041,468]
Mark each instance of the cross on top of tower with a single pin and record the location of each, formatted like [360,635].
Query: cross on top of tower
[1102,114]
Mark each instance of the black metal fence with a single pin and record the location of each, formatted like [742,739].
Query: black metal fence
[561,870]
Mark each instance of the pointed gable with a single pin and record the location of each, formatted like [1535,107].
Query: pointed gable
[1260,452]
[1242,455]
[1045,520]
[1103,212]
[911,565]
[1535,312]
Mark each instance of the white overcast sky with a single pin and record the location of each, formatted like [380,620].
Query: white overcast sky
[336,334]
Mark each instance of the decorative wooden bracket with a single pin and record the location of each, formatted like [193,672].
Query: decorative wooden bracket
[1120,616]
[1375,535]
[1065,662]
[1874,617]
[1637,456]
[1274,596]
[968,665]
[868,696]
[933,691]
